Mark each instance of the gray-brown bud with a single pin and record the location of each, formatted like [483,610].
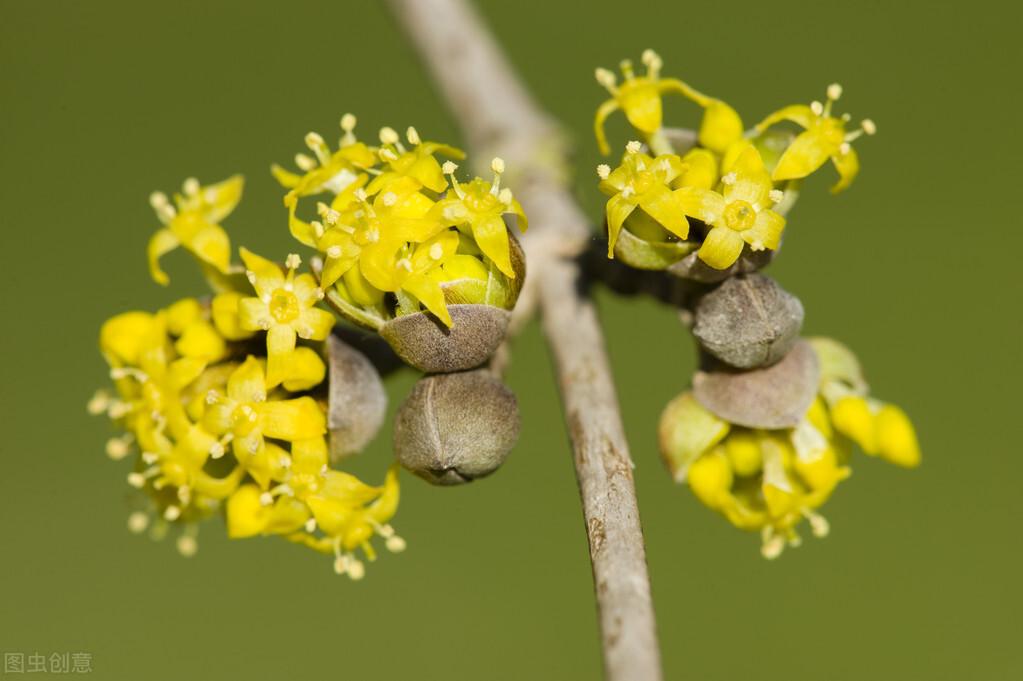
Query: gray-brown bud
[424,342]
[749,321]
[774,397]
[454,428]
[357,400]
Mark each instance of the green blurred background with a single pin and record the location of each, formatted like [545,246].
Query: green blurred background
[916,268]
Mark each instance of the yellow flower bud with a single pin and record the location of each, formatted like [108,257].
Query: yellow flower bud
[852,417]
[743,453]
[896,438]
[710,478]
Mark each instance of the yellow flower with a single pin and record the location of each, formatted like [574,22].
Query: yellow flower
[642,182]
[408,271]
[417,163]
[478,208]
[369,232]
[330,171]
[285,309]
[640,98]
[197,337]
[760,480]
[194,224]
[740,215]
[244,417]
[879,429]
[823,137]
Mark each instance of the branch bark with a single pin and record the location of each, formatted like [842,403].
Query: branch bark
[500,119]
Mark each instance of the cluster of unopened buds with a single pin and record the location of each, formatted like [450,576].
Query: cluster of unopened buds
[242,403]
[766,432]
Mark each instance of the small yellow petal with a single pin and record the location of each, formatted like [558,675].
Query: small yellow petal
[896,438]
[851,416]
[721,126]
[721,248]
[710,478]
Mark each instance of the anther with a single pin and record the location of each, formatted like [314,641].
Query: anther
[118,448]
[634,147]
[99,403]
[817,108]
[449,167]
[404,264]
[389,198]
[158,200]
[334,252]
[388,155]
[187,545]
[172,513]
[314,141]
[497,165]
[388,136]
[190,186]
[834,91]
[395,544]
[868,126]
[310,525]
[603,170]
[436,252]
[776,195]
[356,570]
[606,79]
[505,196]
[413,136]
[293,261]
[728,179]
[266,499]
[304,162]
[138,522]
[348,122]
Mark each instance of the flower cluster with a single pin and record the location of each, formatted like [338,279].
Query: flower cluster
[769,480]
[731,186]
[397,233]
[224,410]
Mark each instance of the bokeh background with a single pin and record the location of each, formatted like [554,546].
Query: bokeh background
[916,268]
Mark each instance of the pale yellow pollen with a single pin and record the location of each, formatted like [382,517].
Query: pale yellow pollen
[334,252]
[603,171]
[356,570]
[158,200]
[653,62]
[138,522]
[251,276]
[868,126]
[497,165]
[318,228]
[293,261]
[304,162]
[436,252]
[773,546]
[314,140]
[320,295]
[184,494]
[819,525]
[190,186]
[187,545]
[136,480]
[395,544]
[776,195]
[389,198]
[606,78]
[449,167]
[331,217]
[310,525]
[404,264]
[728,179]
[348,122]
[118,448]
[413,136]
[217,450]
[628,192]
[388,135]
[626,66]
[834,91]
[149,458]
[634,147]
[341,564]
[372,236]
[388,155]
[172,513]
[505,196]
[817,108]
[360,194]
[844,148]
[212,397]
[99,403]
[266,499]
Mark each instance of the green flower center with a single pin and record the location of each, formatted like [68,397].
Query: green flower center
[740,216]
[284,306]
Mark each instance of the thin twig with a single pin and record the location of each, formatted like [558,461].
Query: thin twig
[499,118]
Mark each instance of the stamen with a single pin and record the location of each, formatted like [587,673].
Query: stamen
[436,252]
[505,196]
[190,186]
[819,525]
[844,148]
[634,147]
[266,499]
[773,544]
[118,447]
[348,122]
[293,261]
[449,167]
[217,450]
[99,403]
[603,170]
[212,397]
[356,570]
[834,91]
[653,63]
[497,165]
[413,136]
[868,126]
[607,80]
[158,200]
[310,525]
[389,199]
[172,513]
[331,217]
[360,194]
[187,545]
[728,179]
[304,162]
[184,494]
[404,264]
[817,108]
[388,136]
[334,252]
[388,155]
[776,195]
[626,66]
[318,228]
[149,458]
[138,522]
[314,141]
[395,544]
